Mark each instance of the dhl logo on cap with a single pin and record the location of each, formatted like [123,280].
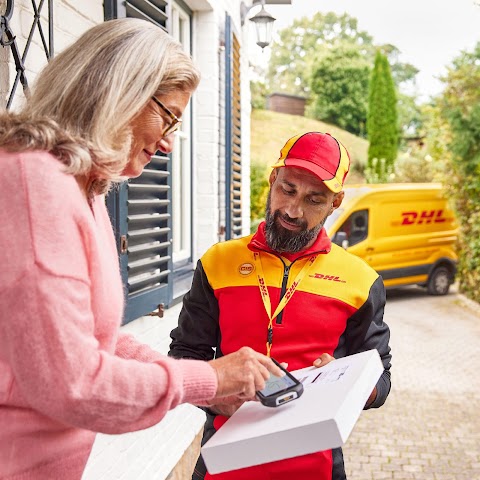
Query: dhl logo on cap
[319,153]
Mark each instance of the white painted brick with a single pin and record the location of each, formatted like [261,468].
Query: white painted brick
[207,213]
[206,133]
[35,61]
[206,188]
[208,225]
[207,96]
[63,39]
[206,178]
[206,244]
[67,19]
[208,233]
[89,9]
[68,25]
[208,229]
[207,136]
[5,75]
[24,17]
[209,216]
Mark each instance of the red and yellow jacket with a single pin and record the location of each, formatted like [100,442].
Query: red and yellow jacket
[337,308]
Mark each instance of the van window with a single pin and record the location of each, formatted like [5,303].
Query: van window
[332,218]
[349,195]
[355,228]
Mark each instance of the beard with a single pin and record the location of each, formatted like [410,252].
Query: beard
[282,240]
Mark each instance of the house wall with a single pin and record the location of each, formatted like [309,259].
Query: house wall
[209,155]
[170,448]
[71,19]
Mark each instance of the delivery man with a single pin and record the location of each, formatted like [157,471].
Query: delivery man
[287,291]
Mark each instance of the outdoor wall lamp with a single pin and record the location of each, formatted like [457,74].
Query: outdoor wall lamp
[263,22]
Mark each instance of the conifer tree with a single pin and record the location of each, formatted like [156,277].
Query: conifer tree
[382,128]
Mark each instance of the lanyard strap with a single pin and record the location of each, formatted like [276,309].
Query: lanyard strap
[284,300]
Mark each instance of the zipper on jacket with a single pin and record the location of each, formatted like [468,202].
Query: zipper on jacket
[286,271]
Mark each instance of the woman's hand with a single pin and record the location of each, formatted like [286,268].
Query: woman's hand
[242,373]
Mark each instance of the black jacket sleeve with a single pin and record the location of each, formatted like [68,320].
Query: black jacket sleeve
[366,330]
[197,335]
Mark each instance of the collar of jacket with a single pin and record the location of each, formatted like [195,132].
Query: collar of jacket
[321,245]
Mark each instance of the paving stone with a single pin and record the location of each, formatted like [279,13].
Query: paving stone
[429,428]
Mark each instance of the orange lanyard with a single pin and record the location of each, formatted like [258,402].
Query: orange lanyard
[284,300]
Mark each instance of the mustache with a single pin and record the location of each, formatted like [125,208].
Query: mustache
[298,222]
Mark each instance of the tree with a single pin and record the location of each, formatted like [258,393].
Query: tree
[258,94]
[300,45]
[382,127]
[410,116]
[310,44]
[403,73]
[459,106]
[340,82]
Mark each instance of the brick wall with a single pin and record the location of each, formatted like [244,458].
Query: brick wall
[71,19]
[209,136]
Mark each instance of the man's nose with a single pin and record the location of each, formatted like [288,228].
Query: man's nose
[294,208]
[165,145]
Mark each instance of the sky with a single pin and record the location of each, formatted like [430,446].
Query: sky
[428,33]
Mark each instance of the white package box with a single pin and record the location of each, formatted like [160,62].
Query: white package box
[321,419]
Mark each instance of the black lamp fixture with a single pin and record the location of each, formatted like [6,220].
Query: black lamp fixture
[263,22]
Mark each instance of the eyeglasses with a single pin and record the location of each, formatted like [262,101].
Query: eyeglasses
[175,123]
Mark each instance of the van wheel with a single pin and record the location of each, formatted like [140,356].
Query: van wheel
[439,281]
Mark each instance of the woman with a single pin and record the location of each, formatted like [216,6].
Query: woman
[99,111]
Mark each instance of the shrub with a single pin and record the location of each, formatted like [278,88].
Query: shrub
[258,192]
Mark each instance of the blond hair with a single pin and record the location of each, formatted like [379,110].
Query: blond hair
[84,100]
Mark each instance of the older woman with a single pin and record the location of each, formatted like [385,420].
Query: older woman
[99,111]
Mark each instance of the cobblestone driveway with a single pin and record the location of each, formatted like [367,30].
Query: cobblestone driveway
[429,427]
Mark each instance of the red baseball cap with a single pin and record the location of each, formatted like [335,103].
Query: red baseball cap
[319,153]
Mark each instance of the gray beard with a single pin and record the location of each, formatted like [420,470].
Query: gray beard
[282,240]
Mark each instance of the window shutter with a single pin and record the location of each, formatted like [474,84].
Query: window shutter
[153,10]
[233,132]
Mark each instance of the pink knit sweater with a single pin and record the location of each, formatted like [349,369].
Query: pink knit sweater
[66,371]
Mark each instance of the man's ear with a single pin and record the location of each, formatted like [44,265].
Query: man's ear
[273,176]
[337,201]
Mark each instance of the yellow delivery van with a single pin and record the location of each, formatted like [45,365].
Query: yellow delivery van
[405,231]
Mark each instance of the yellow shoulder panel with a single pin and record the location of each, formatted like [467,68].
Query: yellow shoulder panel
[230,264]
[339,275]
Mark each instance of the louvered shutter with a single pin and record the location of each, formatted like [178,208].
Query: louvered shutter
[233,133]
[155,11]
[141,209]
